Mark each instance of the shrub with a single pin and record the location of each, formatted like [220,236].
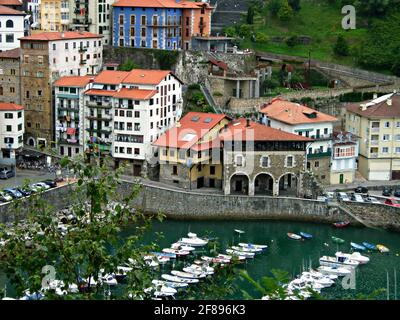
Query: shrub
[341,47]
[194,86]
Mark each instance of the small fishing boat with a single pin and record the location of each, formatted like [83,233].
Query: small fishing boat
[164,291]
[243,249]
[241,253]
[357,246]
[337,262]
[178,253]
[215,259]
[341,224]
[182,274]
[193,242]
[251,246]
[181,246]
[228,257]
[353,256]
[164,254]
[109,279]
[369,246]
[175,285]
[199,269]
[382,248]
[306,235]
[172,278]
[338,240]
[339,271]
[294,236]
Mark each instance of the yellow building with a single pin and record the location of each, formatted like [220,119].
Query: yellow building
[190,152]
[377,123]
[54,15]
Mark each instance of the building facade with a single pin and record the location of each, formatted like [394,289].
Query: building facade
[45,57]
[159,24]
[70,114]
[190,152]
[11,132]
[310,123]
[12,27]
[10,80]
[54,15]
[377,123]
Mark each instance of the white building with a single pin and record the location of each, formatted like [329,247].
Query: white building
[11,131]
[127,111]
[33,8]
[70,114]
[11,28]
[301,120]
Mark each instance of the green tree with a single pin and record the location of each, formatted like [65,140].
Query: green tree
[341,47]
[91,245]
[274,6]
[128,65]
[261,37]
[291,41]
[285,12]
[250,15]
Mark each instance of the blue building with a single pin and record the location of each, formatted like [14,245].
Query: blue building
[147,27]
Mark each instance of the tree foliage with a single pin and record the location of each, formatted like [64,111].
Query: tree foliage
[128,65]
[341,47]
[285,12]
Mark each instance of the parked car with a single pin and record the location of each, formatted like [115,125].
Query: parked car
[25,191]
[33,188]
[372,200]
[387,192]
[343,196]
[50,183]
[5,197]
[362,190]
[330,195]
[322,198]
[40,186]
[396,193]
[59,179]
[357,197]
[392,202]
[13,192]
[6,174]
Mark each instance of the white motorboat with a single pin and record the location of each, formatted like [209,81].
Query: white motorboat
[215,259]
[198,269]
[339,271]
[356,256]
[181,246]
[240,253]
[109,279]
[193,242]
[251,246]
[228,257]
[182,274]
[338,262]
[164,291]
[175,285]
[178,253]
[323,281]
[192,235]
[172,278]
[317,274]
[301,285]
[245,249]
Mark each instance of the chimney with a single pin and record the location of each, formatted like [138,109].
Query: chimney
[62,35]
[247,122]
[389,102]
[375,96]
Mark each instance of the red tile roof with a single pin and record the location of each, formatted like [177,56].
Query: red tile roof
[142,76]
[135,94]
[190,130]
[95,92]
[10,2]
[11,54]
[9,11]
[239,131]
[10,107]
[378,110]
[294,113]
[111,77]
[73,81]
[56,36]
[182,4]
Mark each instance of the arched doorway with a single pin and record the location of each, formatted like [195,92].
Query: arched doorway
[31,142]
[288,185]
[239,184]
[264,184]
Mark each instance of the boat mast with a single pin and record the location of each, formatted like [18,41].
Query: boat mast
[395,284]
[387,285]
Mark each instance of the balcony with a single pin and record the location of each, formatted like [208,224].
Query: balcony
[99,130]
[375,129]
[374,142]
[319,155]
[66,108]
[95,104]
[105,117]
[322,137]
[72,142]
[374,155]
[82,49]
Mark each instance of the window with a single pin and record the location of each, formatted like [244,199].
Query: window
[387,124]
[398,124]
[239,161]
[133,19]
[289,161]
[265,162]
[137,151]
[9,24]
[20,114]
[397,137]
[172,153]
[8,116]
[385,150]
[316,164]
[174,170]
[212,170]
[386,137]
[129,150]
[137,114]
[8,128]
[20,127]
[397,149]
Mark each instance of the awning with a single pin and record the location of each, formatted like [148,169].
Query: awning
[71,131]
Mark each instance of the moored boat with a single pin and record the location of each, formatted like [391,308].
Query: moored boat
[294,236]
[182,274]
[339,271]
[341,224]
[175,285]
[193,242]
[337,240]
[382,248]
[357,246]
[353,256]
[251,245]
[306,235]
[178,253]
[215,259]
[369,246]
[241,253]
[172,278]
[243,249]
[338,262]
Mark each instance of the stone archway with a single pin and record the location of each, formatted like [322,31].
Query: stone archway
[239,184]
[31,142]
[264,184]
[288,185]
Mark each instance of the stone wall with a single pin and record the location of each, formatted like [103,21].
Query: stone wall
[10,82]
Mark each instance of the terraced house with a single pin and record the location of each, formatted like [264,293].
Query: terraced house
[377,123]
[160,24]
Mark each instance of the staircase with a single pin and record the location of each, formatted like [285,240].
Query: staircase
[210,99]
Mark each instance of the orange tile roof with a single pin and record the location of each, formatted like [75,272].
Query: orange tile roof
[10,107]
[136,94]
[10,2]
[96,92]
[142,76]
[56,36]
[11,54]
[111,77]
[9,11]
[239,131]
[182,4]
[73,81]
[188,132]
[294,113]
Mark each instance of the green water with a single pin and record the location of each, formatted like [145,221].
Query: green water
[291,255]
